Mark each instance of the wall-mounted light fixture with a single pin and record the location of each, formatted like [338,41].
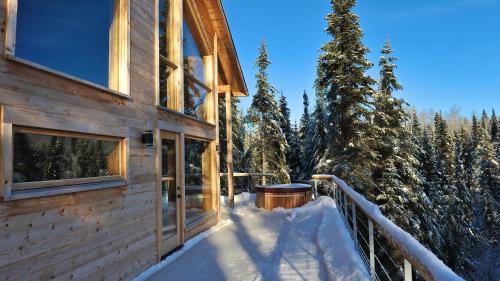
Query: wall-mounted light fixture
[148,138]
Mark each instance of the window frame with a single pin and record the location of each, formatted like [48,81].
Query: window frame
[119,77]
[170,61]
[193,22]
[11,190]
[180,10]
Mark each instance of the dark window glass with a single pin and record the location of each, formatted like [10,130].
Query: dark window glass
[198,179]
[68,36]
[40,157]
[168,188]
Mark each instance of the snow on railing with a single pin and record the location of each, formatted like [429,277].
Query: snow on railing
[415,255]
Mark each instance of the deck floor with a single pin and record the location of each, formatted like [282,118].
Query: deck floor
[258,245]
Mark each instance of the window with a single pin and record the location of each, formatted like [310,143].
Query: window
[196,90]
[168,188]
[166,91]
[86,39]
[43,158]
[198,169]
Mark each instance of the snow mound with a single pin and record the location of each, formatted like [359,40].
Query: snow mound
[243,199]
[333,240]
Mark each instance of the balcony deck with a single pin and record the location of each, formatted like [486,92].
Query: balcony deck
[279,245]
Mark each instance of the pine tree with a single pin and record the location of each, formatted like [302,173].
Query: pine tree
[305,139]
[342,79]
[295,159]
[444,151]
[271,146]
[488,177]
[293,152]
[494,126]
[389,116]
[319,139]
[454,210]
[285,124]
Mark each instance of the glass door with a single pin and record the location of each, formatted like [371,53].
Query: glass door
[170,192]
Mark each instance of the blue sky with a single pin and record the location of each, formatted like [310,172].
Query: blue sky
[449,50]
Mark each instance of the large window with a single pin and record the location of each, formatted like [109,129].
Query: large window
[198,171]
[166,66]
[87,39]
[196,89]
[45,158]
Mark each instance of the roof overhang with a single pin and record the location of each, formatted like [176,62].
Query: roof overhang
[230,72]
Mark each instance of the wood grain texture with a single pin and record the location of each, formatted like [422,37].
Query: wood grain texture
[287,200]
[111,233]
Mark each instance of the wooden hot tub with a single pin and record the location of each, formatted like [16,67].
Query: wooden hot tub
[287,196]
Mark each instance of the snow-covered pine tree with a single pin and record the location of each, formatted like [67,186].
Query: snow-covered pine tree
[319,140]
[388,118]
[286,126]
[293,152]
[454,212]
[488,177]
[305,139]
[444,151]
[485,120]
[342,78]
[494,126]
[430,230]
[495,134]
[270,144]
[295,158]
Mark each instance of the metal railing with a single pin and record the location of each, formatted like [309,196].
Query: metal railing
[364,221]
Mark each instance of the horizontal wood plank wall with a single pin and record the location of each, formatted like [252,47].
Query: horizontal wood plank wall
[107,234]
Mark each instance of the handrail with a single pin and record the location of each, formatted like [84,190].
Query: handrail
[415,254]
[249,175]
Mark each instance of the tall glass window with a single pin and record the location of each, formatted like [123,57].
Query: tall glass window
[196,89]
[166,66]
[78,37]
[198,170]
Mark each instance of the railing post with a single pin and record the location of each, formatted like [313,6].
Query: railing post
[408,273]
[372,248]
[315,189]
[354,225]
[346,216]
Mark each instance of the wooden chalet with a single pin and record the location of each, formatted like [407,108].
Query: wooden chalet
[109,132]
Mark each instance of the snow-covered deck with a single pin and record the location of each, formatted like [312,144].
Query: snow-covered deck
[307,243]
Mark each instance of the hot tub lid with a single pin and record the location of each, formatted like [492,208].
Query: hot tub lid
[289,187]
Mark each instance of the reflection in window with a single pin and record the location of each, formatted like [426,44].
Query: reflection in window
[195,88]
[168,188]
[75,37]
[54,156]
[198,179]
[166,66]
[194,99]
[193,60]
